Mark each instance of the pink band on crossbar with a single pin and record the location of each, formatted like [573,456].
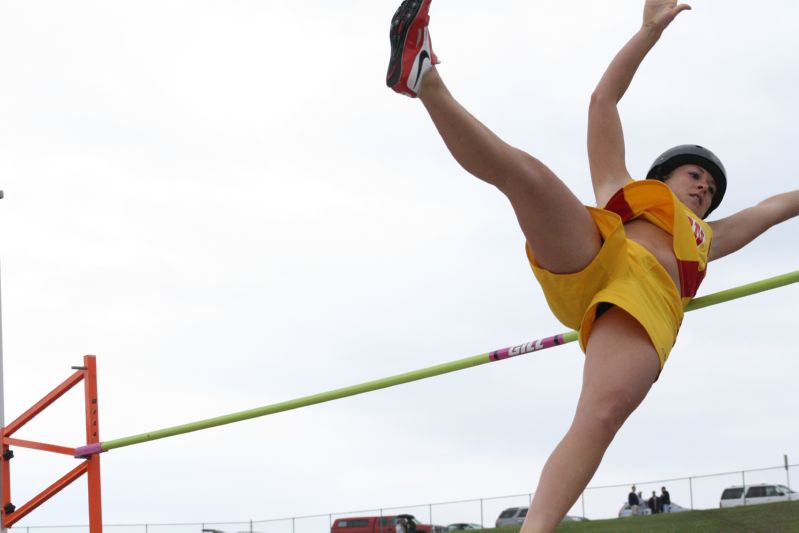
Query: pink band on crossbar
[521,349]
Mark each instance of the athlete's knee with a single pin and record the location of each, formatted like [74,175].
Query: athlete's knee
[525,175]
[608,415]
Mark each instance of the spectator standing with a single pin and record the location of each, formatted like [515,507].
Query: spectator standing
[652,503]
[633,501]
[665,500]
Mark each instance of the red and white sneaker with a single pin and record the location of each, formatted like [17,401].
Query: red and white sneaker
[411,53]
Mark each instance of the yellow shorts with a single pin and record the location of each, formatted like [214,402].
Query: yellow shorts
[624,274]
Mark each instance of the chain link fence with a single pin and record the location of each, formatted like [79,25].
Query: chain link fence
[596,502]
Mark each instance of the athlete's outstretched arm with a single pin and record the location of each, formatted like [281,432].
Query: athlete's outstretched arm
[736,231]
[605,135]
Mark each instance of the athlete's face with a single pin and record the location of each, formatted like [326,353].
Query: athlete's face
[694,186]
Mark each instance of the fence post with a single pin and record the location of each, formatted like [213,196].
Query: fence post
[430,513]
[582,499]
[482,520]
[787,471]
[743,483]
[691,490]
[292,524]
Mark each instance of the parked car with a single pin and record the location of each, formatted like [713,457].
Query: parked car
[676,508]
[626,510]
[379,524]
[753,494]
[512,516]
[461,526]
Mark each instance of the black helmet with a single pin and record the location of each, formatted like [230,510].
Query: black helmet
[687,154]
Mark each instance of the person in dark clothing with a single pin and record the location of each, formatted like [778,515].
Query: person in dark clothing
[633,501]
[665,500]
[653,504]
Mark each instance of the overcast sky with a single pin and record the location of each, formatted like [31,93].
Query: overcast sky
[224,203]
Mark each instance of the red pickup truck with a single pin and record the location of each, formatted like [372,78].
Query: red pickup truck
[379,524]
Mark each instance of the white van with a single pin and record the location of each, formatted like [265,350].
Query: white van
[752,494]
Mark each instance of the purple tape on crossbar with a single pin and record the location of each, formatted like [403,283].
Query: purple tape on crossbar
[88,450]
[521,349]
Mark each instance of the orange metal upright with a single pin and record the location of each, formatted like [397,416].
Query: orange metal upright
[90,466]
[93,437]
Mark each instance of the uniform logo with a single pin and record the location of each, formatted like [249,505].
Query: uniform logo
[699,233]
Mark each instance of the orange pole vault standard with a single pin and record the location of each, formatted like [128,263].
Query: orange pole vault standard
[90,466]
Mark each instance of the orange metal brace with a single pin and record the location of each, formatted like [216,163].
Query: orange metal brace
[90,466]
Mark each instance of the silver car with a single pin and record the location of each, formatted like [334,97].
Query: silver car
[513,516]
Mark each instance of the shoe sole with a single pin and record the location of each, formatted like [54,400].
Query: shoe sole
[409,11]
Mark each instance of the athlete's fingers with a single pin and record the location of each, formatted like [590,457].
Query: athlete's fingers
[676,10]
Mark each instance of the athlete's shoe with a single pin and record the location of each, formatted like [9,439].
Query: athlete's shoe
[411,53]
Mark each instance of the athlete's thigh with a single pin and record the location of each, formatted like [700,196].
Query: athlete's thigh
[620,364]
[557,226]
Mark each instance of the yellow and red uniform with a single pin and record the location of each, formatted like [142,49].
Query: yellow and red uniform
[626,274]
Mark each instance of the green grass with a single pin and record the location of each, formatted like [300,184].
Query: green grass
[765,518]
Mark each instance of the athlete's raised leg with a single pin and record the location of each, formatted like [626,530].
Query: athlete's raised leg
[620,366]
[555,223]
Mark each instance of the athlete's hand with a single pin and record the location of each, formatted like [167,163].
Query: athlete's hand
[659,13]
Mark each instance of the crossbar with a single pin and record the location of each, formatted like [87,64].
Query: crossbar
[415,375]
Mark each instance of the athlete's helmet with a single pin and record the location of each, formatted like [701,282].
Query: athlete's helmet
[687,154]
